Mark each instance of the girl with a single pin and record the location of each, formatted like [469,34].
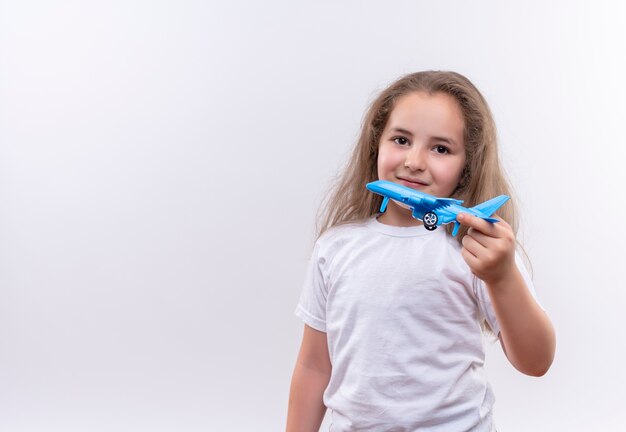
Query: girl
[394,313]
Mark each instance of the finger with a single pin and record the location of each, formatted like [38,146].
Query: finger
[477,223]
[480,237]
[471,260]
[472,221]
[472,245]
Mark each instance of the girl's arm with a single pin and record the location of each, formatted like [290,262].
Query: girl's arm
[310,378]
[526,333]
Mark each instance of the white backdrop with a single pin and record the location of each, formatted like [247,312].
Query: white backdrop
[161,163]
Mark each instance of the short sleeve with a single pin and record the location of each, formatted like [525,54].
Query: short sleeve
[311,308]
[484,301]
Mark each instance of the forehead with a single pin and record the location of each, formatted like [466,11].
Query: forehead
[430,114]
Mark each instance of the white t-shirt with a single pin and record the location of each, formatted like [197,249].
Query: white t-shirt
[402,313]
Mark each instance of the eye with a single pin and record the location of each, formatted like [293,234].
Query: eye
[400,140]
[441,149]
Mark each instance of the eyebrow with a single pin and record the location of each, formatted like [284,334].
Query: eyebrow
[402,131]
[438,138]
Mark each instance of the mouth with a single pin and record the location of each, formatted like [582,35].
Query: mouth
[412,183]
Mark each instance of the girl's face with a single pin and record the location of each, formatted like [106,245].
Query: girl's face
[422,147]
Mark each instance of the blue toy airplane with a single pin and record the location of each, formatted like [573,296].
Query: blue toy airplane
[433,211]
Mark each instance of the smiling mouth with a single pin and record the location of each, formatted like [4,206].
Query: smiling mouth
[412,183]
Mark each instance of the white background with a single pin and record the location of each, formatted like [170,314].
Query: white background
[161,163]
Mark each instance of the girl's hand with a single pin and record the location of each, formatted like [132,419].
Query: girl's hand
[488,248]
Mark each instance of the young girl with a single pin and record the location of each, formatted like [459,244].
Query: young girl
[394,313]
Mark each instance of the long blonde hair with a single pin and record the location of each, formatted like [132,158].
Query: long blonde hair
[482,178]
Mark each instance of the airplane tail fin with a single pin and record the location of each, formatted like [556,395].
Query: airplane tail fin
[489,207]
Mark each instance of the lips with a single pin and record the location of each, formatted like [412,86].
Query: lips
[412,183]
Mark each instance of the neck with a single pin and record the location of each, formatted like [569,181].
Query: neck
[397,215]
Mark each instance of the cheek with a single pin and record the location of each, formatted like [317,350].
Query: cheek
[456,178]
[386,159]
[450,173]
[459,169]
[381,161]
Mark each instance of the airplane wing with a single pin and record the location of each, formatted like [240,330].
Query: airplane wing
[433,202]
[422,200]
[448,216]
[444,202]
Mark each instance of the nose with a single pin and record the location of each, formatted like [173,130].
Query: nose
[415,159]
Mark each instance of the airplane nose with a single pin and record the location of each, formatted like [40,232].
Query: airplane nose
[383,187]
[375,186]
